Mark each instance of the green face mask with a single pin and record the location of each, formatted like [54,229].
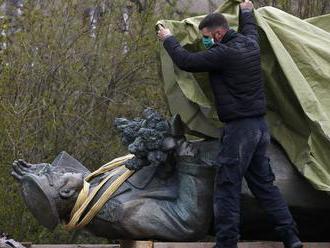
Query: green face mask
[207,42]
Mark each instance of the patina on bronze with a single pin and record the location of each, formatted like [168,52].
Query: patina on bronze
[170,195]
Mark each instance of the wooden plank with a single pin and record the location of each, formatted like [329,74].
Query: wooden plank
[240,245]
[74,246]
[150,244]
[279,245]
[27,244]
[183,245]
[136,244]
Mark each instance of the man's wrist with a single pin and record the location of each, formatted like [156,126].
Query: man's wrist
[167,36]
[246,10]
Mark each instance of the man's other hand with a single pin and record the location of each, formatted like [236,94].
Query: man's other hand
[246,5]
[163,33]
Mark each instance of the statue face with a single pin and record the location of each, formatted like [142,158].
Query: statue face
[50,191]
[50,197]
[39,198]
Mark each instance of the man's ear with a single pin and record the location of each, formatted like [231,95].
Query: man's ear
[66,193]
[220,35]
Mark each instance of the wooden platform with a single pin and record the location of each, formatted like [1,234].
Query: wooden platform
[150,244]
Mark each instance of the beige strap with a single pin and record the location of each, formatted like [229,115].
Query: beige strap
[84,198]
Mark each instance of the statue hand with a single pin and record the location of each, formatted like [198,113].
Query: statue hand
[185,148]
[21,168]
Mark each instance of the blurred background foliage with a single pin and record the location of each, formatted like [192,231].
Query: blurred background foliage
[301,8]
[71,67]
[68,68]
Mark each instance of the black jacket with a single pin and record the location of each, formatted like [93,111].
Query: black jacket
[234,69]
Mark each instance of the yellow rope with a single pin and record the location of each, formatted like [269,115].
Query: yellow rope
[84,198]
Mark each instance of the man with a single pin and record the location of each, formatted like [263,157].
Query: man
[233,63]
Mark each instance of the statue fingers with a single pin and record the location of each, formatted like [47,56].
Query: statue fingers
[186,149]
[23,163]
[181,141]
[16,176]
[17,169]
[192,148]
[169,143]
[23,167]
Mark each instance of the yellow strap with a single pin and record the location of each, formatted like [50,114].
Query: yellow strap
[109,166]
[84,198]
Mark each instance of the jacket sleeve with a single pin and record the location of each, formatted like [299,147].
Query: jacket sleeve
[247,24]
[204,61]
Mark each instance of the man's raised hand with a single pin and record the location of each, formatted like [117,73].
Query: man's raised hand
[163,33]
[246,5]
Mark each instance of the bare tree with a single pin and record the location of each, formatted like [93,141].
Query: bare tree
[300,8]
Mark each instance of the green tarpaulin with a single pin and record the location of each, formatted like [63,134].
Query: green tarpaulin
[296,67]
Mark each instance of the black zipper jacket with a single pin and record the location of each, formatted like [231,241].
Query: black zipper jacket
[234,70]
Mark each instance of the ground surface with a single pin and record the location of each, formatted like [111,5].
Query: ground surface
[148,244]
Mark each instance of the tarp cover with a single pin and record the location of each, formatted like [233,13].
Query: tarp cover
[296,66]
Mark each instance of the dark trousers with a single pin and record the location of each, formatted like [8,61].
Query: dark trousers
[243,154]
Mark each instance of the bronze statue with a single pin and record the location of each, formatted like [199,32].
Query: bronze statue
[169,197]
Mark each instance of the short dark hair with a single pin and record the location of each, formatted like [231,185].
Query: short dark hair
[214,20]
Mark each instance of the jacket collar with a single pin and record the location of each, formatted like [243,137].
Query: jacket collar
[228,36]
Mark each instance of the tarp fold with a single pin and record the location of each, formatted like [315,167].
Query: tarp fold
[295,56]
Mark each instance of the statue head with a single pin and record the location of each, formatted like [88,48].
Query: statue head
[50,190]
